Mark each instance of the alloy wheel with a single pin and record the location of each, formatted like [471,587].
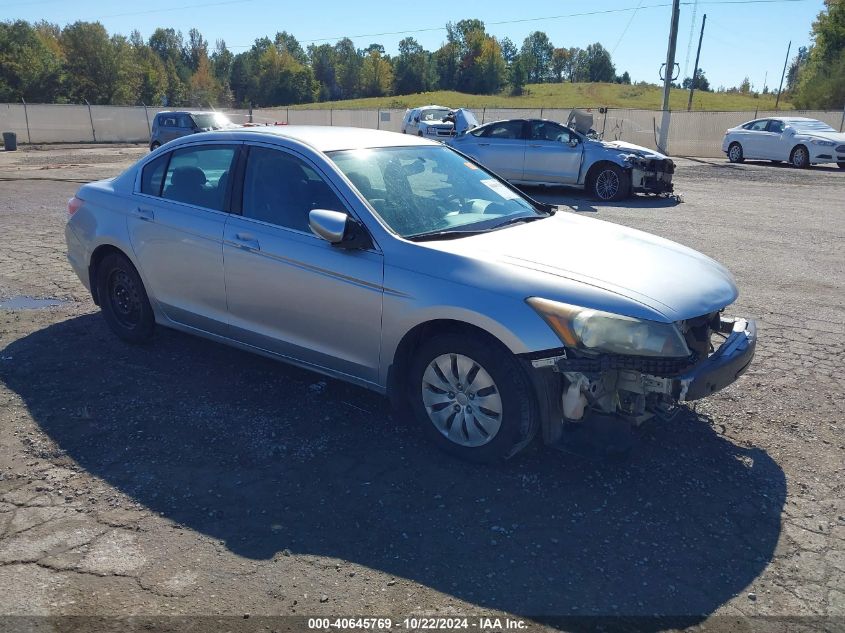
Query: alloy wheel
[607,184]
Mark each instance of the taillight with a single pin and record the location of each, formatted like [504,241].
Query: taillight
[73,205]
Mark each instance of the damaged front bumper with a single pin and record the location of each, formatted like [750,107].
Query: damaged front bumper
[652,175]
[572,388]
[723,366]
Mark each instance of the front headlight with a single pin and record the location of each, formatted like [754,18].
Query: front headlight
[817,141]
[598,331]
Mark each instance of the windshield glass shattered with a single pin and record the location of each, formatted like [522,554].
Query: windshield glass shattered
[419,190]
[433,115]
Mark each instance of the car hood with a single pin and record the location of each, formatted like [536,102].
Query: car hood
[670,279]
[628,148]
[837,137]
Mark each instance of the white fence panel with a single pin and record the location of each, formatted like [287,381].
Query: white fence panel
[690,133]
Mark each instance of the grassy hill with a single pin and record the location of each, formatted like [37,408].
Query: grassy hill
[567,95]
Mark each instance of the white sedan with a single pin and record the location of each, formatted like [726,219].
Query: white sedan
[801,141]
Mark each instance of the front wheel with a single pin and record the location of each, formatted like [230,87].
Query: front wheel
[800,157]
[155,146]
[123,299]
[471,398]
[609,182]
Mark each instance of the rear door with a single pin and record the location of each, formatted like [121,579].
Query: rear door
[752,139]
[549,157]
[176,230]
[289,291]
[501,147]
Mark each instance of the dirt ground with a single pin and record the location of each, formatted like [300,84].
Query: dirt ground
[185,478]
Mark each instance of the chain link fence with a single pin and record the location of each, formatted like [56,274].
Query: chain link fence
[688,133]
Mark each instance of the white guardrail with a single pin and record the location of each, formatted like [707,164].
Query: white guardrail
[689,133]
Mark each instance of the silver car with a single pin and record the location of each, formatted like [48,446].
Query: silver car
[397,264]
[541,152]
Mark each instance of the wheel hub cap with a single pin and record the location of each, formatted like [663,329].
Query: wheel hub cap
[462,400]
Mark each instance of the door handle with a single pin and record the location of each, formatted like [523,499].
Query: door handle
[247,242]
[483,144]
[148,215]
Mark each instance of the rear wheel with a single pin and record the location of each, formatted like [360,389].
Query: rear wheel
[841,164]
[735,154]
[609,182]
[123,299]
[471,398]
[155,145]
[800,157]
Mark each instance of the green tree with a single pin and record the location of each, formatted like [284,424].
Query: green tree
[347,68]
[94,63]
[822,81]
[517,77]
[282,80]
[284,41]
[599,67]
[795,68]
[194,49]
[376,74]
[30,65]
[509,50]
[701,82]
[536,54]
[560,63]
[325,73]
[410,68]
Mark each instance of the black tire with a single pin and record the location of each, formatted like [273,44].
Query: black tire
[123,299]
[841,164]
[735,153]
[608,182]
[518,415]
[419,133]
[154,146]
[800,157]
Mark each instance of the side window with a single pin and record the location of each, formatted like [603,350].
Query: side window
[168,121]
[759,126]
[547,131]
[200,176]
[184,121]
[505,130]
[776,127]
[281,189]
[153,176]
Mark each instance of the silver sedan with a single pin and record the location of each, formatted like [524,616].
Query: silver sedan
[397,264]
[541,152]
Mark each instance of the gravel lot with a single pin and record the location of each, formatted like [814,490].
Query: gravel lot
[186,478]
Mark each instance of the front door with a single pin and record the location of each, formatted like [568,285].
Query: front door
[289,291]
[549,156]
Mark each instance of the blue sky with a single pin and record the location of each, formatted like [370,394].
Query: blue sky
[739,40]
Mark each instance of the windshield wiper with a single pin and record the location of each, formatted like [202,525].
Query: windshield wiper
[448,234]
[527,218]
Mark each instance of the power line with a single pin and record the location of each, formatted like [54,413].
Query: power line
[625,30]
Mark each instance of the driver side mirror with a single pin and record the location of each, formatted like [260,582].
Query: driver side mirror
[338,229]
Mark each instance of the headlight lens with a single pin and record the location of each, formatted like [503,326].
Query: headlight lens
[822,143]
[599,331]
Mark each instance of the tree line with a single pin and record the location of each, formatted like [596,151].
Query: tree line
[43,63]
[816,76]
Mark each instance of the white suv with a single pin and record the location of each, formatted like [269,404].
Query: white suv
[427,121]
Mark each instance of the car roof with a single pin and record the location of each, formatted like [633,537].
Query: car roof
[323,138]
[191,112]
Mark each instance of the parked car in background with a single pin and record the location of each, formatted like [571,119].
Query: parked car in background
[541,152]
[801,141]
[397,264]
[428,121]
[168,126]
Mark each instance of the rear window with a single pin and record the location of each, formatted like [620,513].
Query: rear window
[199,175]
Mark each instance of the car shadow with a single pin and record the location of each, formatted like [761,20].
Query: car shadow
[725,164]
[268,458]
[577,200]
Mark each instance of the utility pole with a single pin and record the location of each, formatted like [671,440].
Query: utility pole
[695,71]
[785,62]
[662,143]
[670,53]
